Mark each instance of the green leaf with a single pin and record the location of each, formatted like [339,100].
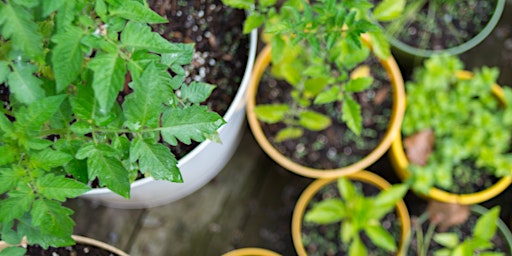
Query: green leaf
[50,6]
[140,37]
[380,45]
[38,112]
[357,248]
[240,4]
[351,115]
[109,170]
[347,189]
[314,121]
[380,237]
[315,85]
[109,71]
[358,84]
[388,198]
[271,113]
[134,10]
[48,158]
[17,24]
[449,240]
[486,224]
[144,105]
[191,123]
[4,71]
[67,57]
[8,180]
[326,212]
[9,155]
[156,159]
[196,92]
[59,187]
[23,84]
[388,10]
[328,96]
[18,203]
[182,55]
[52,218]
[253,21]
[39,236]
[13,251]
[288,133]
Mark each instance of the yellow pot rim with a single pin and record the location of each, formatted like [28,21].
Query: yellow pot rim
[398,110]
[400,163]
[362,176]
[251,251]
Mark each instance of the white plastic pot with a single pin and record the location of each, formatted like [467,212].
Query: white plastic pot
[198,167]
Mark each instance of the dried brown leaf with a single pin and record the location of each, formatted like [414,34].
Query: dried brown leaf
[419,146]
[446,215]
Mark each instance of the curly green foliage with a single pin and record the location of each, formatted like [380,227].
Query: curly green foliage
[64,125]
[469,123]
[314,46]
[358,213]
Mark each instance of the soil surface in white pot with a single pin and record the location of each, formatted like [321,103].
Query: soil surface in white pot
[337,146]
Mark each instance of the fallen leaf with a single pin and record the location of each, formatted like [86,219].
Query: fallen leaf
[419,146]
[446,215]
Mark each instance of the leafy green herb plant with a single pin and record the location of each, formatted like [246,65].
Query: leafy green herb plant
[315,46]
[452,244]
[358,213]
[471,125]
[89,93]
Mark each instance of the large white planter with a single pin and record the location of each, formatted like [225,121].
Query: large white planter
[198,167]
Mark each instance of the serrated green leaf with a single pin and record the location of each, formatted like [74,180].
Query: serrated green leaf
[109,74]
[6,125]
[191,123]
[143,107]
[18,203]
[380,237]
[134,10]
[13,251]
[67,57]
[49,158]
[52,218]
[37,113]
[326,212]
[314,86]
[50,6]
[139,36]
[23,84]
[83,103]
[351,115]
[40,235]
[17,24]
[196,92]
[9,155]
[314,121]
[59,187]
[253,21]
[328,96]
[81,127]
[288,133]
[181,56]
[109,171]
[388,10]
[358,84]
[156,159]
[240,4]
[86,150]
[8,180]
[271,113]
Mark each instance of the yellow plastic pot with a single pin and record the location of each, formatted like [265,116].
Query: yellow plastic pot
[400,163]
[362,176]
[397,83]
[251,252]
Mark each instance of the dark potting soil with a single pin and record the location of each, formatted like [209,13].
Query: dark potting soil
[337,146]
[464,231]
[324,240]
[75,250]
[444,27]
[221,49]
